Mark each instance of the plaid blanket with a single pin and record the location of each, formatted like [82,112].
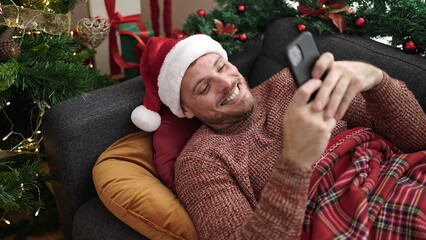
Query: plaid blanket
[365,188]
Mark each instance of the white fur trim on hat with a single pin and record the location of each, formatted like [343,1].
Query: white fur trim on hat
[145,119]
[175,64]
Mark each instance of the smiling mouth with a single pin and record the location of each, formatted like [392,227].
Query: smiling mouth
[232,97]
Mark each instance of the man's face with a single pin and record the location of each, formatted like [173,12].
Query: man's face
[215,92]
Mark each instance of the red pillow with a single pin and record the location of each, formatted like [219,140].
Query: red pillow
[169,140]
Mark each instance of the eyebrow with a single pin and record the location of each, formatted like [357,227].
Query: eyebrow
[202,79]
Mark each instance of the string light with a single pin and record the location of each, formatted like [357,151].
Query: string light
[29,145]
[7,136]
[3,219]
[37,212]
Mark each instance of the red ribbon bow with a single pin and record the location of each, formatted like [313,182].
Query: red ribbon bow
[329,12]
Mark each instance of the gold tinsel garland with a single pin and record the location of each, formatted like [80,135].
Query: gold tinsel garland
[25,18]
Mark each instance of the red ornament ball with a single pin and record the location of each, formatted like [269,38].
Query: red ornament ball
[410,47]
[241,9]
[201,13]
[360,22]
[301,28]
[242,37]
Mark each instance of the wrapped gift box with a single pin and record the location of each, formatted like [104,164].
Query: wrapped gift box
[131,34]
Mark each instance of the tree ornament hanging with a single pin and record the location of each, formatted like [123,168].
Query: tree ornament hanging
[94,30]
[242,37]
[201,13]
[301,28]
[9,49]
[360,22]
[241,9]
[410,47]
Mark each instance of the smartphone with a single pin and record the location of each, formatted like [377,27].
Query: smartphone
[301,55]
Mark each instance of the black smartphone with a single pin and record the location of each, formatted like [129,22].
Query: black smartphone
[301,55]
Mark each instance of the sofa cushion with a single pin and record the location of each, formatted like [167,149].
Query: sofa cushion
[129,186]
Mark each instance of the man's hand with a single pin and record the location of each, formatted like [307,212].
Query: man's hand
[343,80]
[306,131]
[307,125]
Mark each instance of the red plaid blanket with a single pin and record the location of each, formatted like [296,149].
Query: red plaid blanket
[365,188]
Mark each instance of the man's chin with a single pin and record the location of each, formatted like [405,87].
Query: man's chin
[229,119]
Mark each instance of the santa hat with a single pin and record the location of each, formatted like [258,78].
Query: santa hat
[163,64]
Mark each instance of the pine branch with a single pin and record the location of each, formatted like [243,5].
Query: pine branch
[8,73]
[19,189]
[49,69]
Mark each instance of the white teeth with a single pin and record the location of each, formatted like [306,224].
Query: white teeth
[232,97]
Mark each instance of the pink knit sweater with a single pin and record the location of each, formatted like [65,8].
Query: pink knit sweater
[231,183]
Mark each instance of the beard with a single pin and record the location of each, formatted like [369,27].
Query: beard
[231,115]
[228,118]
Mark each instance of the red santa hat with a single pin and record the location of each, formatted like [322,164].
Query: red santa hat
[163,64]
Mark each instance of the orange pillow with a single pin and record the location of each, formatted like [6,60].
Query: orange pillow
[129,186]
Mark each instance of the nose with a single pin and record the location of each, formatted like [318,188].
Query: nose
[222,83]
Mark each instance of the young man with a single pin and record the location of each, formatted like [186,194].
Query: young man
[268,161]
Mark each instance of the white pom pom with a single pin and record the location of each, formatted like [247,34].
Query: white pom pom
[145,119]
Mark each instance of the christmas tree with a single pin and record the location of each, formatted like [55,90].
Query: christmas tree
[235,22]
[40,66]
[404,22]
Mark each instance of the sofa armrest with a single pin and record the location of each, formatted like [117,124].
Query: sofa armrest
[77,131]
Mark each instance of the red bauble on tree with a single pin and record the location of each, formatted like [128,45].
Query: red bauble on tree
[301,28]
[201,13]
[242,37]
[410,47]
[241,9]
[360,22]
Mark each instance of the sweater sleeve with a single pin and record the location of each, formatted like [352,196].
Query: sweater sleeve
[220,210]
[393,112]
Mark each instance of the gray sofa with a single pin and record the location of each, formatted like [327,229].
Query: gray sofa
[77,131]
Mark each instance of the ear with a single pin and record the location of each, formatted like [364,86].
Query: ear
[186,111]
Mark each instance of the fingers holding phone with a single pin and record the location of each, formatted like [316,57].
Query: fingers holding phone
[342,80]
[305,132]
